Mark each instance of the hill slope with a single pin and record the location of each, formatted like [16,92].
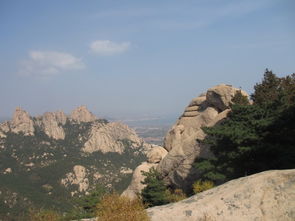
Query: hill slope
[46,160]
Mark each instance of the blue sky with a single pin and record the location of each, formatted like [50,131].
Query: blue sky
[137,58]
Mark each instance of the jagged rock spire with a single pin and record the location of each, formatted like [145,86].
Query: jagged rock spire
[82,114]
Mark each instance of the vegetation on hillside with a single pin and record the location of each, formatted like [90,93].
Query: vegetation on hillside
[38,163]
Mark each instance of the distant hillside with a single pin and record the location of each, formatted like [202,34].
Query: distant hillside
[47,160]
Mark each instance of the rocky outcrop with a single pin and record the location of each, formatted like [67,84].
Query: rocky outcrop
[110,138]
[181,141]
[22,122]
[51,122]
[136,186]
[267,196]
[77,177]
[154,156]
[82,114]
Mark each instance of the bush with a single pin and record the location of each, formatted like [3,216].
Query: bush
[114,207]
[175,196]
[44,215]
[200,186]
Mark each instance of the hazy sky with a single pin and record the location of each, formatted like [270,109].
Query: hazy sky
[137,57]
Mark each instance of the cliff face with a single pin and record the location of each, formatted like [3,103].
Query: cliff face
[181,141]
[52,124]
[267,196]
[109,137]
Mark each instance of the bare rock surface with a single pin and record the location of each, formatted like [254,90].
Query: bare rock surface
[181,140]
[77,177]
[22,122]
[154,155]
[82,114]
[136,186]
[267,196]
[51,121]
[110,137]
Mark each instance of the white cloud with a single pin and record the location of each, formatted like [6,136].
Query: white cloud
[44,63]
[106,47]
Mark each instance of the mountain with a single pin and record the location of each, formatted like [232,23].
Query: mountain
[46,160]
[264,196]
[182,140]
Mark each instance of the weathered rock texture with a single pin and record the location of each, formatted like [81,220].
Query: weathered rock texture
[181,141]
[154,155]
[22,122]
[77,177]
[267,196]
[82,114]
[110,138]
[51,124]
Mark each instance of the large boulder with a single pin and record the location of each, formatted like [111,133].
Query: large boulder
[136,186]
[154,155]
[267,196]
[181,141]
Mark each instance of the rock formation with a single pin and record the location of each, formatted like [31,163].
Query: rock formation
[77,177]
[22,122]
[181,141]
[154,155]
[267,196]
[110,138]
[50,123]
[82,114]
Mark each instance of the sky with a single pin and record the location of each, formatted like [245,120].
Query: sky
[137,58]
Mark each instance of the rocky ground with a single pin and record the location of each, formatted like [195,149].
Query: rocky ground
[267,196]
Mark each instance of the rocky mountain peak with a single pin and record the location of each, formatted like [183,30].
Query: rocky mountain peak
[181,140]
[82,114]
[50,124]
[22,122]
[109,137]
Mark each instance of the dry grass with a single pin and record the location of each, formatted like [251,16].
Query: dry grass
[43,215]
[113,207]
[175,196]
[200,186]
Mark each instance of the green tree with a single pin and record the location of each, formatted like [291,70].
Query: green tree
[85,206]
[254,137]
[240,99]
[267,90]
[154,194]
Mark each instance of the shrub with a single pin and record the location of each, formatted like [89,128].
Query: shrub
[175,195]
[200,186]
[114,207]
[44,215]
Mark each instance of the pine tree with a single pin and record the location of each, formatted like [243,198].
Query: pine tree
[154,194]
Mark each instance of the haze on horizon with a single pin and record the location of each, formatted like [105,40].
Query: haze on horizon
[137,58]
